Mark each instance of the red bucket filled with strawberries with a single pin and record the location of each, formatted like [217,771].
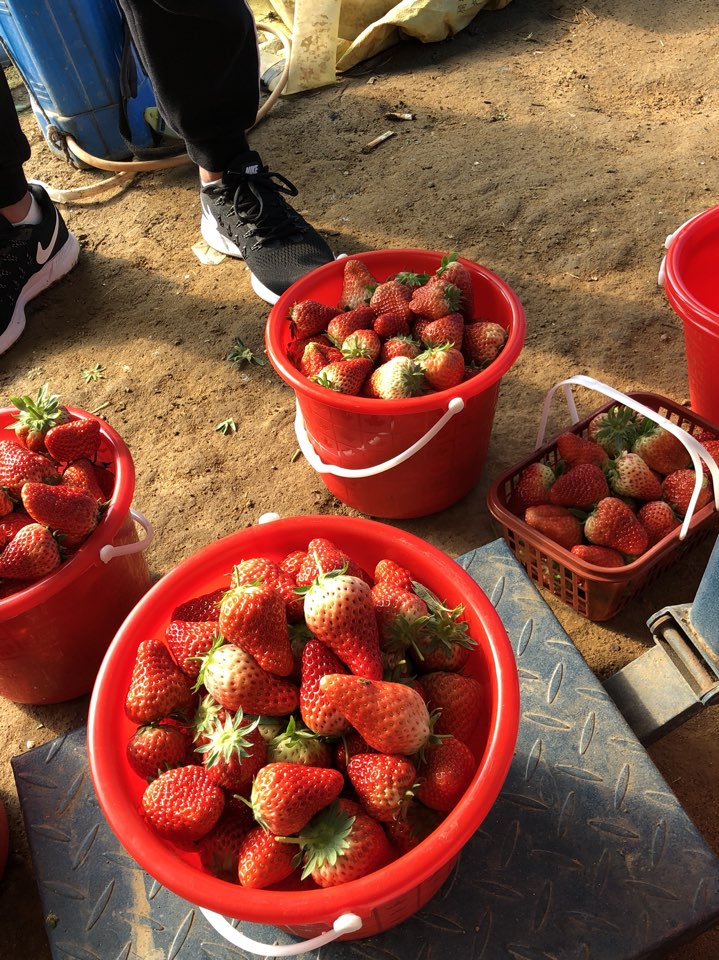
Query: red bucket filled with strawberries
[302,725]
[71,564]
[604,507]
[396,358]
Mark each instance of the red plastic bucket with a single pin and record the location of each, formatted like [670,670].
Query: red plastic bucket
[54,633]
[359,445]
[691,281]
[386,897]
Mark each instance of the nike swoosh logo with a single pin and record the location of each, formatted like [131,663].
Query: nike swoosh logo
[43,253]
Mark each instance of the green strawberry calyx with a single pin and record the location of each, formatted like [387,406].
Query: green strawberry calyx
[325,838]
[227,740]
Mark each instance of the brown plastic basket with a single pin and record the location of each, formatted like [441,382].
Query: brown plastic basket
[597,593]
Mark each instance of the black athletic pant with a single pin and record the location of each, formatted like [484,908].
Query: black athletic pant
[201,57]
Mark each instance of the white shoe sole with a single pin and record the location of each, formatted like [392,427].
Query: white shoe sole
[56,268]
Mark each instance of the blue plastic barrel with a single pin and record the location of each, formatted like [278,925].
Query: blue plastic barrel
[69,54]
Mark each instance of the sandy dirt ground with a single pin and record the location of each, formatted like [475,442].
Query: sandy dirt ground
[557,143]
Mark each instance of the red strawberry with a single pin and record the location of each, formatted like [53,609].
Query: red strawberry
[392,717]
[188,640]
[298,744]
[443,367]
[309,317]
[361,318]
[158,688]
[447,329]
[219,849]
[459,698]
[533,486]
[341,845]
[399,346]
[396,379]
[7,504]
[392,296]
[599,556]
[630,476]
[557,523]
[661,450]
[387,326]
[391,572]
[236,680]
[345,376]
[613,524]
[401,615]
[712,448]
[348,746]
[253,616]
[383,782]
[315,356]
[69,510]
[263,860]
[74,440]
[339,611]
[453,271]
[205,607]
[447,772]
[82,474]
[483,342]
[296,348]
[155,747]
[19,465]
[435,299]
[31,554]
[10,524]
[444,642]
[183,804]
[285,796]
[358,284]
[573,448]
[416,825]
[658,519]
[323,556]
[36,415]
[418,327]
[292,563]
[318,714]
[361,343]
[678,487]
[581,486]
[233,751]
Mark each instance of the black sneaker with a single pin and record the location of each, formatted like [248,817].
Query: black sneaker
[246,216]
[31,259]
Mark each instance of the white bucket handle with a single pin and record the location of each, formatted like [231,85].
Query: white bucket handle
[110,551]
[694,448]
[455,405]
[346,923]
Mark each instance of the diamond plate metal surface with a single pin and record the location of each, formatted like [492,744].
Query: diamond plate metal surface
[586,855]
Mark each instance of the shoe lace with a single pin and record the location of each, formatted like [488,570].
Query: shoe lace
[259,204]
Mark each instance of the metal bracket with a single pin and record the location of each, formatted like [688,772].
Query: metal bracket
[670,683]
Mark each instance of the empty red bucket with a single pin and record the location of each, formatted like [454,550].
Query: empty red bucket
[691,281]
[54,633]
[362,907]
[397,458]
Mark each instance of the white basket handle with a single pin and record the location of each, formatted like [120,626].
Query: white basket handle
[455,405]
[346,923]
[110,551]
[694,448]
